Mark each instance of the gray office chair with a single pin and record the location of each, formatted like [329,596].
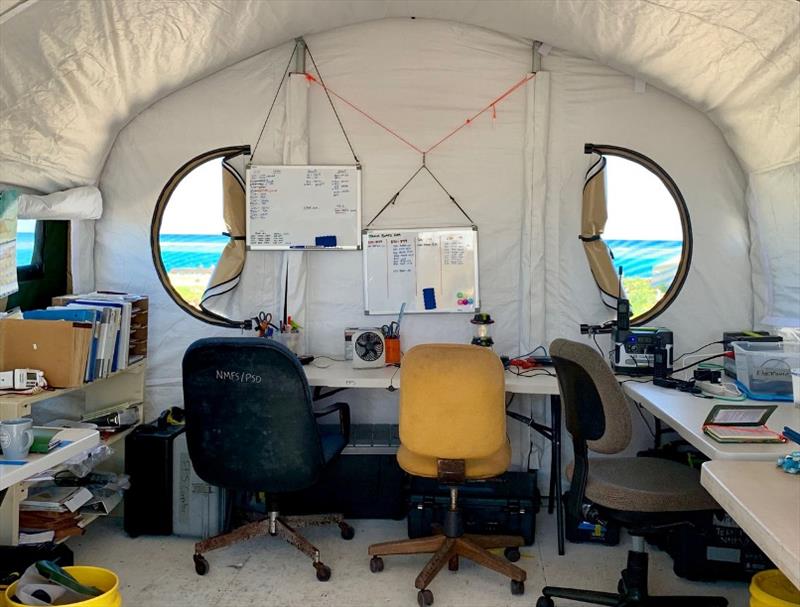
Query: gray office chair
[250,427]
[643,494]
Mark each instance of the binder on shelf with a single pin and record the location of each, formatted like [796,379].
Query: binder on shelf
[131,344]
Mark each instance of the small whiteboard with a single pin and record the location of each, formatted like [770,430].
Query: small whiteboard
[431,269]
[303,207]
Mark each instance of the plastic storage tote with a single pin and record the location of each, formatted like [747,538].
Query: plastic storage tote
[764,370]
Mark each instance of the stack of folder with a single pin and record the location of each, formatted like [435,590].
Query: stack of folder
[50,513]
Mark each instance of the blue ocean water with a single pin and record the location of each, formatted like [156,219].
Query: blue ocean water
[24,248]
[186,251]
[641,258]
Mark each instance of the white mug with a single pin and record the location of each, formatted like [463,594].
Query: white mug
[16,438]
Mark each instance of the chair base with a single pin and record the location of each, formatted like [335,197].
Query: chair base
[275,525]
[447,551]
[632,591]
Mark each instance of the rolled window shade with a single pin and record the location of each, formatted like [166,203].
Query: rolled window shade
[593,222]
[84,202]
[226,274]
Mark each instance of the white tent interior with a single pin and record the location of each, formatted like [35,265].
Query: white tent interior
[119,95]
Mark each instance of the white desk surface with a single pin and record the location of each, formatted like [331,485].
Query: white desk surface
[685,414]
[765,502]
[341,374]
[81,438]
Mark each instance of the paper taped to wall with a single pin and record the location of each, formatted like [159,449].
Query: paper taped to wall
[431,269]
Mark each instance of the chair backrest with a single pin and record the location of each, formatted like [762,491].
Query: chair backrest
[595,410]
[452,401]
[594,404]
[249,419]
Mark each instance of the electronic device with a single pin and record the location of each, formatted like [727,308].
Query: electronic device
[369,349]
[643,351]
[22,379]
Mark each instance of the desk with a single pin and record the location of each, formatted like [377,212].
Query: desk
[685,414]
[765,502]
[340,375]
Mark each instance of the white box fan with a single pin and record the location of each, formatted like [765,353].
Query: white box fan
[369,349]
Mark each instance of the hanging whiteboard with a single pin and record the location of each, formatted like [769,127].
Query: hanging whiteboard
[303,207]
[431,269]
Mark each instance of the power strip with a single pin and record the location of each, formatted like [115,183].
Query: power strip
[722,390]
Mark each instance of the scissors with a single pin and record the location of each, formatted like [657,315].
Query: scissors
[264,323]
[391,330]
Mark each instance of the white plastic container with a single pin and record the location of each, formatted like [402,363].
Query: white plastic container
[796,386]
[765,368]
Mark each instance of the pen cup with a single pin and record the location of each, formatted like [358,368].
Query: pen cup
[392,350]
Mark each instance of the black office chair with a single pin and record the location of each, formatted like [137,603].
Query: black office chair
[250,426]
[644,494]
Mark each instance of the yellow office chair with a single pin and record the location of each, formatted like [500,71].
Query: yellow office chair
[453,428]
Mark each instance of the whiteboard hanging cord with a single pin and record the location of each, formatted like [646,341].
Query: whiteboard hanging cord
[333,107]
[274,99]
[393,199]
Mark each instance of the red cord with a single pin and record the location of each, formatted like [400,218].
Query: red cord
[311,78]
[468,121]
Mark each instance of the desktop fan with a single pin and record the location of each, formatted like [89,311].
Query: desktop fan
[368,349]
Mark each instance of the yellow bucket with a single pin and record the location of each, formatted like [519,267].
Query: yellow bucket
[102,579]
[771,588]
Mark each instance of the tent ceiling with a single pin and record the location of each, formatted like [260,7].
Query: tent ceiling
[74,73]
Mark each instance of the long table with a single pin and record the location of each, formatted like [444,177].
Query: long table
[336,375]
[765,502]
[685,413]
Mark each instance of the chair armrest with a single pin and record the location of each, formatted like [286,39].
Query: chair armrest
[344,417]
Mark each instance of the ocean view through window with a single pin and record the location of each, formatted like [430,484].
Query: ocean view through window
[190,238]
[644,232]
[26,241]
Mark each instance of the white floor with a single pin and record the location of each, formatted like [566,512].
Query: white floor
[158,571]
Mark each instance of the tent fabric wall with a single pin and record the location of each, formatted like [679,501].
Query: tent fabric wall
[519,177]
[74,73]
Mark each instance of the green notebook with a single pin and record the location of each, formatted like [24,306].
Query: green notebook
[44,440]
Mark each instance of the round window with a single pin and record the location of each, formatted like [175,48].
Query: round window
[189,233]
[647,231]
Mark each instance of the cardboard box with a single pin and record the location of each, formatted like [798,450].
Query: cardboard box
[59,348]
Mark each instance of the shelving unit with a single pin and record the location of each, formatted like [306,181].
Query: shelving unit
[120,389]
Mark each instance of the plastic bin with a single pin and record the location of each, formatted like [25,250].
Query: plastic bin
[100,578]
[764,369]
[771,588]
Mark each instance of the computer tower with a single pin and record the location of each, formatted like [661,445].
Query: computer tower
[149,462]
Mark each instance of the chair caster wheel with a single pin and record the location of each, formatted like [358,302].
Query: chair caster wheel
[424,598]
[621,587]
[348,533]
[323,572]
[376,564]
[512,554]
[517,587]
[545,601]
[201,565]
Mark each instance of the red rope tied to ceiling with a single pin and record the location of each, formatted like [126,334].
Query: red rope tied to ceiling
[491,106]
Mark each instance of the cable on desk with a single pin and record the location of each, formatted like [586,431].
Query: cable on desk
[711,343]
[694,364]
